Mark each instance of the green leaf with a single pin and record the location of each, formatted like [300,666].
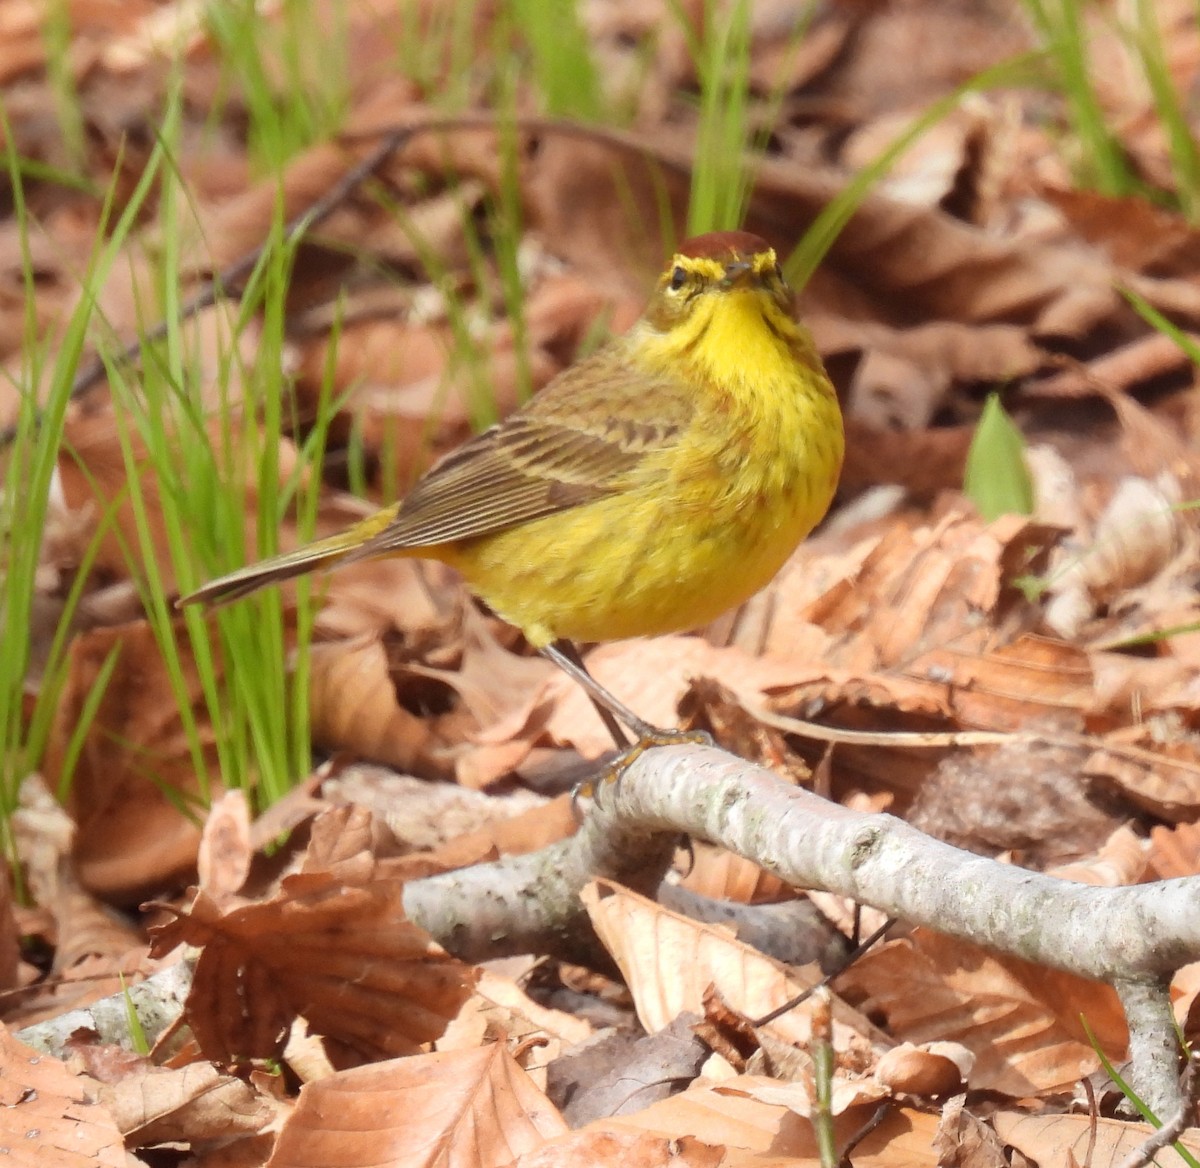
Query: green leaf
[997,478]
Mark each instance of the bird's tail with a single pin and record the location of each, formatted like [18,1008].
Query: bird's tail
[312,557]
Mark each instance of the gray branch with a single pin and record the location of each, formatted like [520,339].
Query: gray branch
[1134,938]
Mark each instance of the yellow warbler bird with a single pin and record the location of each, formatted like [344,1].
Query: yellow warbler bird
[645,490]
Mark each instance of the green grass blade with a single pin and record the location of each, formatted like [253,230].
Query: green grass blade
[562,64]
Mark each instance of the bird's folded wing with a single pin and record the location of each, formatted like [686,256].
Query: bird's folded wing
[552,456]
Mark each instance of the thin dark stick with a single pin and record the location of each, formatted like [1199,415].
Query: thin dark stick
[233,275]
[843,965]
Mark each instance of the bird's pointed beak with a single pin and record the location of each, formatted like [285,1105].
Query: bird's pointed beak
[738,274]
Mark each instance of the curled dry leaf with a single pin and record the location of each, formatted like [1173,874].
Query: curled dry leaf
[501,1011]
[927,174]
[404,391]
[225,851]
[195,1104]
[669,961]
[236,227]
[905,377]
[469,1108]
[353,706]
[964,1138]
[1140,532]
[722,1119]
[1117,372]
[344,957]
[1035,681]
[495,687]
[927,587]
[892,253]
[578,191]
[374,597]
[922,462]
[341,845]
[712,707]
[364,693]
[427,816]
[514,835]
[1136,233]
[1032,681]
[902,57]
[1151,443]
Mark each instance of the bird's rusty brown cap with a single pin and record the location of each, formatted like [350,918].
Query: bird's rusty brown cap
[723,245]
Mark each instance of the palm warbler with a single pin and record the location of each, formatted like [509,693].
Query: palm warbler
[646,489]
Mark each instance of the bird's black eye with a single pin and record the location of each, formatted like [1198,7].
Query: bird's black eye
[678,278]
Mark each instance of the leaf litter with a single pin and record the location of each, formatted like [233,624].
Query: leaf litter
[1008,686]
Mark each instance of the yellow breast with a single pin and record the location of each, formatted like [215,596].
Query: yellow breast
[705,523]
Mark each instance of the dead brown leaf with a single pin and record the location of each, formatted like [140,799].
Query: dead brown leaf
[500,1011]
[1163,777]
[1038,1136]
[926,589]
[194,1104]
[669,961]
[373,597]
[1123,859]
[1020,1021]
[342,956]
[1175,851]
[1136,233]
[353,706]
[632,1149]
[226,851]
[51,1115]
[722,875]
[473,1108]
[515,836]
[94,476]
[907,375]
[651,676]
[136,765]
[773,1132]
[964,1138]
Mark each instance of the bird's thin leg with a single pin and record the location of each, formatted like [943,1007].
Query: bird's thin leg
[564,654]
[613,711]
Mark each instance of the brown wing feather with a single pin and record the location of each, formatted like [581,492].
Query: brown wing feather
[578,440]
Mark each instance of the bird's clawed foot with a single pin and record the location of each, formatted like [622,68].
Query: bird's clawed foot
[612,771]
